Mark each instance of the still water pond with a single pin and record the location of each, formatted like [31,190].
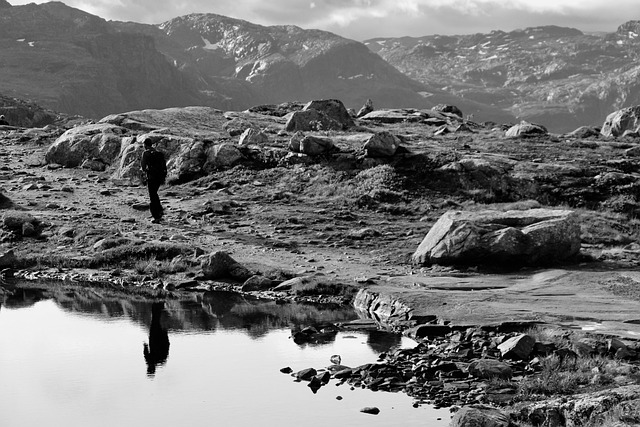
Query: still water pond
[79,359]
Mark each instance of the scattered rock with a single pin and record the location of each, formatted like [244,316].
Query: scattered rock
[370,410]
[306,374]
[14,220]
[451,109]
[8,259]
[525,129]
[96,165]
[518,347]
[382,144]
[222,155]
[490,368]
[332,108]
[220,264]
[480,416]
[253,136]
[257,283]
[294,142]
[584,132]
[313,145]
[366,109]
[311,120]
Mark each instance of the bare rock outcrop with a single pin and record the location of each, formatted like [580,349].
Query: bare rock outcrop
[525,129]
[501,239]
[581,408]
[101,141]
[621,121]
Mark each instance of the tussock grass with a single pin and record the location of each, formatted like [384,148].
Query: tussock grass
[123,256]
[158,268]
[608,228]
[566,376]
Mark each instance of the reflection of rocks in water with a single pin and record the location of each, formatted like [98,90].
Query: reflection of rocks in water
[219,303]
[382,341]
[208,311]
[23,298]
[157,351]
[321,334]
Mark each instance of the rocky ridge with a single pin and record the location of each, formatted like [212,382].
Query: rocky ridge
[558,76]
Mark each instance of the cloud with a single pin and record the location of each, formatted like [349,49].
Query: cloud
[361,19]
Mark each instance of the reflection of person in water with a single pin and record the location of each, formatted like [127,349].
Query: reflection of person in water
[157,351]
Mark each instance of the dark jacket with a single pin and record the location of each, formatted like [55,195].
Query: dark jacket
[154,165]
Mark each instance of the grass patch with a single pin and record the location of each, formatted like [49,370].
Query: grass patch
[158,268]
[608,228]
[123,256]
[567,376]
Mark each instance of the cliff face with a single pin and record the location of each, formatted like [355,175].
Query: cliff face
[557,76]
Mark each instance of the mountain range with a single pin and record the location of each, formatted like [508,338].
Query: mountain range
[560,77]
[76,63]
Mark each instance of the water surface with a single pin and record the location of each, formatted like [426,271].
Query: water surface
[80,360]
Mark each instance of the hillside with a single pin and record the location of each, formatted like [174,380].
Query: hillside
[76,63]
[557,76]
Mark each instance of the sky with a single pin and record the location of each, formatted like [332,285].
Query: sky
[365,19]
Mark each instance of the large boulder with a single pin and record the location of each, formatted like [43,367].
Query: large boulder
[100,141]
[525,129]
[333,109]
[451,109]
[311,120]
[313,145]
[252,136]
[518,347]
[220,265]
[618,122]
[490,368]
[501,239]
[222,155]
[382,144]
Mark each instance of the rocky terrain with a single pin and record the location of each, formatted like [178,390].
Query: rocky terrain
[76,63]
[304,201]
[560,77]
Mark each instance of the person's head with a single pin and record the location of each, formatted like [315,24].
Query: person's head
[148,143]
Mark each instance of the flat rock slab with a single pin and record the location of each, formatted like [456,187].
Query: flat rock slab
[581,299]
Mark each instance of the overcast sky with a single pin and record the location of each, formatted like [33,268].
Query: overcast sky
[363,19]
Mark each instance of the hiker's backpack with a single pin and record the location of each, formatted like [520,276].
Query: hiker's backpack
[156,166]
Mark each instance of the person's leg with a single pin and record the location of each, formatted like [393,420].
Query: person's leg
[155,207]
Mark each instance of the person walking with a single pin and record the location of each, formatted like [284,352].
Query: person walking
[154,167]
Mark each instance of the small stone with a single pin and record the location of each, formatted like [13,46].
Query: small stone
[370,410]
[306,374]
[28,229]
